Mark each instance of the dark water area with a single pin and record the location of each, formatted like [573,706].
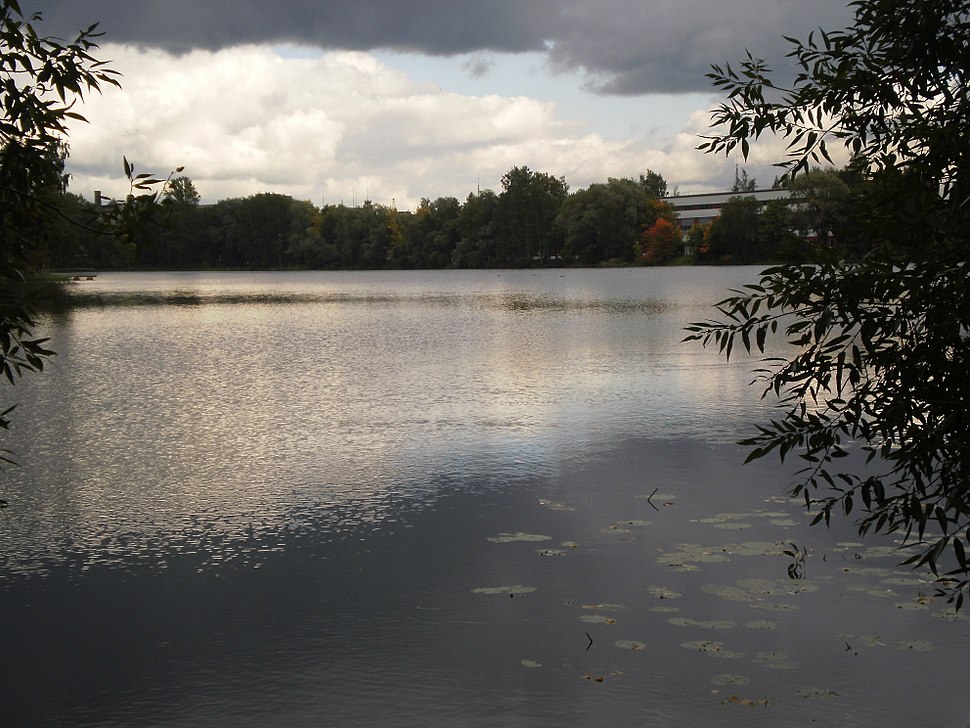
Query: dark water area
[431,508]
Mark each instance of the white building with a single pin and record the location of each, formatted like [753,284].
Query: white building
[702,209]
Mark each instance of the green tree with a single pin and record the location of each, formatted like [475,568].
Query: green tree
[433,233]
[743,183]
[825,205]
[526,216]
[476,228]
[733,235]
[776,237]
[181,191]
[880,344]
[40,81]
[604,222]
[654,184]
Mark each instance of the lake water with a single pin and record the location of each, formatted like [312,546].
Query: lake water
[423,499]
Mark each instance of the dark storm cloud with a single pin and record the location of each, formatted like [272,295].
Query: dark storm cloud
[437,27]
[623,46]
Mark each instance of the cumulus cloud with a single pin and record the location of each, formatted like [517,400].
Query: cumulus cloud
[340,127]
[622,46]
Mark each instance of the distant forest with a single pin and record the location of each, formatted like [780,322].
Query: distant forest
[534,221]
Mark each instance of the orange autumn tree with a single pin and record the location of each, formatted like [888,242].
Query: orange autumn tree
[661,241]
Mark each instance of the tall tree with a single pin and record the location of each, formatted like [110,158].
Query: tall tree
[476,228]
[824,205]
[881,349]
[653,184]
[743,183]
[733,235]
[181,191]
[526,215]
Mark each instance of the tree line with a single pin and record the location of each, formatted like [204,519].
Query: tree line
[534,221]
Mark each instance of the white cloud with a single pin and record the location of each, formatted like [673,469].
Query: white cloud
[343,126]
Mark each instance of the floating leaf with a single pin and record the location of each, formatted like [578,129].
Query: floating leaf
[663,592]
[730,593]
[632,645]
[510,590]
[530,663]
[518,536]
[617,530]
[913,645]
[550,552]
[760,624]
[776,660]
[714,649]
[729,679]
[554,506]
[816,694]
[916,606]
[948,615]
[708,624]
[693,553]
[751,702]
[774,606]
[596,619]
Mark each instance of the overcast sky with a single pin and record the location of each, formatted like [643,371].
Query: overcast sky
[393,100]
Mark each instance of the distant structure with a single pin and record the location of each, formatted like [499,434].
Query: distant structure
[702,209]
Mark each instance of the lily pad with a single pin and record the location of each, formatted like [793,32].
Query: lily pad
[774,606]
[518,536]
[659,497]
[816,694]
[714,649]
[776,660]
[948,615]
[596,619]
[551,552]
[750,702]
[705,624]
[532,664]
[756,548]
[510,590]
[693,554]
[761,624]
[662,592]
[554,506]
[913,645]
[867,640]
[632,645]
[729,679]
[914,606]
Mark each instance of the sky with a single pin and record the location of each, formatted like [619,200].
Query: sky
[342,101]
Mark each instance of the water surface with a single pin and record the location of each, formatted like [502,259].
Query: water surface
[421,499]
